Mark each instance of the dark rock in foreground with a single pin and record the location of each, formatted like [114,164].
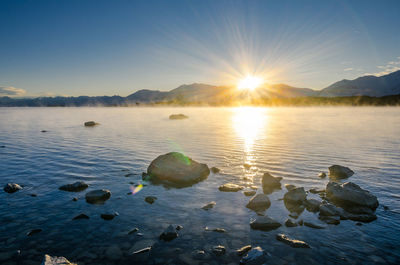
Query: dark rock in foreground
[209,206]
[340,172]
[178,116]
[176,169]
[80,216]
[264,223]
[259,202]
[75,187]
[230,187]
[90,123]
[49,260]
[97,196]
[169,234]
[270,183]
[107,216]
[34,231]
[243,250]
[290,223]
[219,250]
[256,256]
[292,242]
[150,199]
[12,187]
[350,195]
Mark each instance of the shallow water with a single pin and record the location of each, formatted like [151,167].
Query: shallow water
[294,143]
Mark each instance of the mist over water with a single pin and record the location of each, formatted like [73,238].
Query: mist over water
[294,143]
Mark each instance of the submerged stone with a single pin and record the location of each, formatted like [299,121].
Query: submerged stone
[255,256]
[259,202]
[169,234]
[264,223]
[270,183]
[230,187]
[97,196]
[12,187]
[209,206]
[296,195]
[75,187]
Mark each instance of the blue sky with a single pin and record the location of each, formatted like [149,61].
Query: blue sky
[117,47]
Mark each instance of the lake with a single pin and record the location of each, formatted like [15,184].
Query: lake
[293,143]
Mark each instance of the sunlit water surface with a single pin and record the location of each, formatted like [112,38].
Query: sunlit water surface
[293,143]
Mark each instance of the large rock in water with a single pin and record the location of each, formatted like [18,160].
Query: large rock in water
[264,223]
[259,202]
[350,195]
[176,169]
[296,195]
[340,172]
[270,183]
[12,187]
[97,196]
[48,260]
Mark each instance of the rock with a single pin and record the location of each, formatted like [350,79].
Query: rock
[290,187]
[340,172]
[90,123]
[33,195]
[107,216]
[199,254]
[253,187]
[322,175]
[259,202]
[98,196]
[179,227]
[48,260]
[34,231]
[75,187]
[218,250]
[176,169]
[294,243]
[255,256]
[219,230]
[300,222]
[316,191]
[80,216]
[150,199]
[296,195]
[215,170]
[290,223]
[12,187]
[113,252]
[249,192]
[169,234]
[209,205]
[331,220]
[43,131]
[270,183]
[386,208]
[143,250]
[75,199]
[350,195]
[264,223]
[312,205]
[134,230]
[312,225]
[243,250]
[328,209]
[230,187]
[366,218]
[178,117]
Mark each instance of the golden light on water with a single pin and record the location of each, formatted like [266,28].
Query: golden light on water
[249,123]
[250,83]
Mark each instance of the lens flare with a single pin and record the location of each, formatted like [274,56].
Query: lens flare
[136,189]
[249,83]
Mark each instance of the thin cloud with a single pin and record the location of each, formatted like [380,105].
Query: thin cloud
[11,91]
[390,67]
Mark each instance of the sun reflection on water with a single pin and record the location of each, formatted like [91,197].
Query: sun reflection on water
[249,124]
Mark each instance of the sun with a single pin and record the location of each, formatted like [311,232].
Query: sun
[249,83]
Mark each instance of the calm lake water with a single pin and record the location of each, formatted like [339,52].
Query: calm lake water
[294,143]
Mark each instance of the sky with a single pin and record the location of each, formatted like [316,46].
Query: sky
[79,47]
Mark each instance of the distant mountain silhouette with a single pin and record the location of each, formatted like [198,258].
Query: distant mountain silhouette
[367,86]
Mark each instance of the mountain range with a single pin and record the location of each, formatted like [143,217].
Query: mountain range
[371,86]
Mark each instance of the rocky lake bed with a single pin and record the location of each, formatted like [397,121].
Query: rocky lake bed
[110,205]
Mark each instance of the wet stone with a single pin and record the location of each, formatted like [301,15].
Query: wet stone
[230,187]
[243,250]
[209,206]
[169,234]
[80,216]
[290,223]
[218,250]
[150,199]
[292,242]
